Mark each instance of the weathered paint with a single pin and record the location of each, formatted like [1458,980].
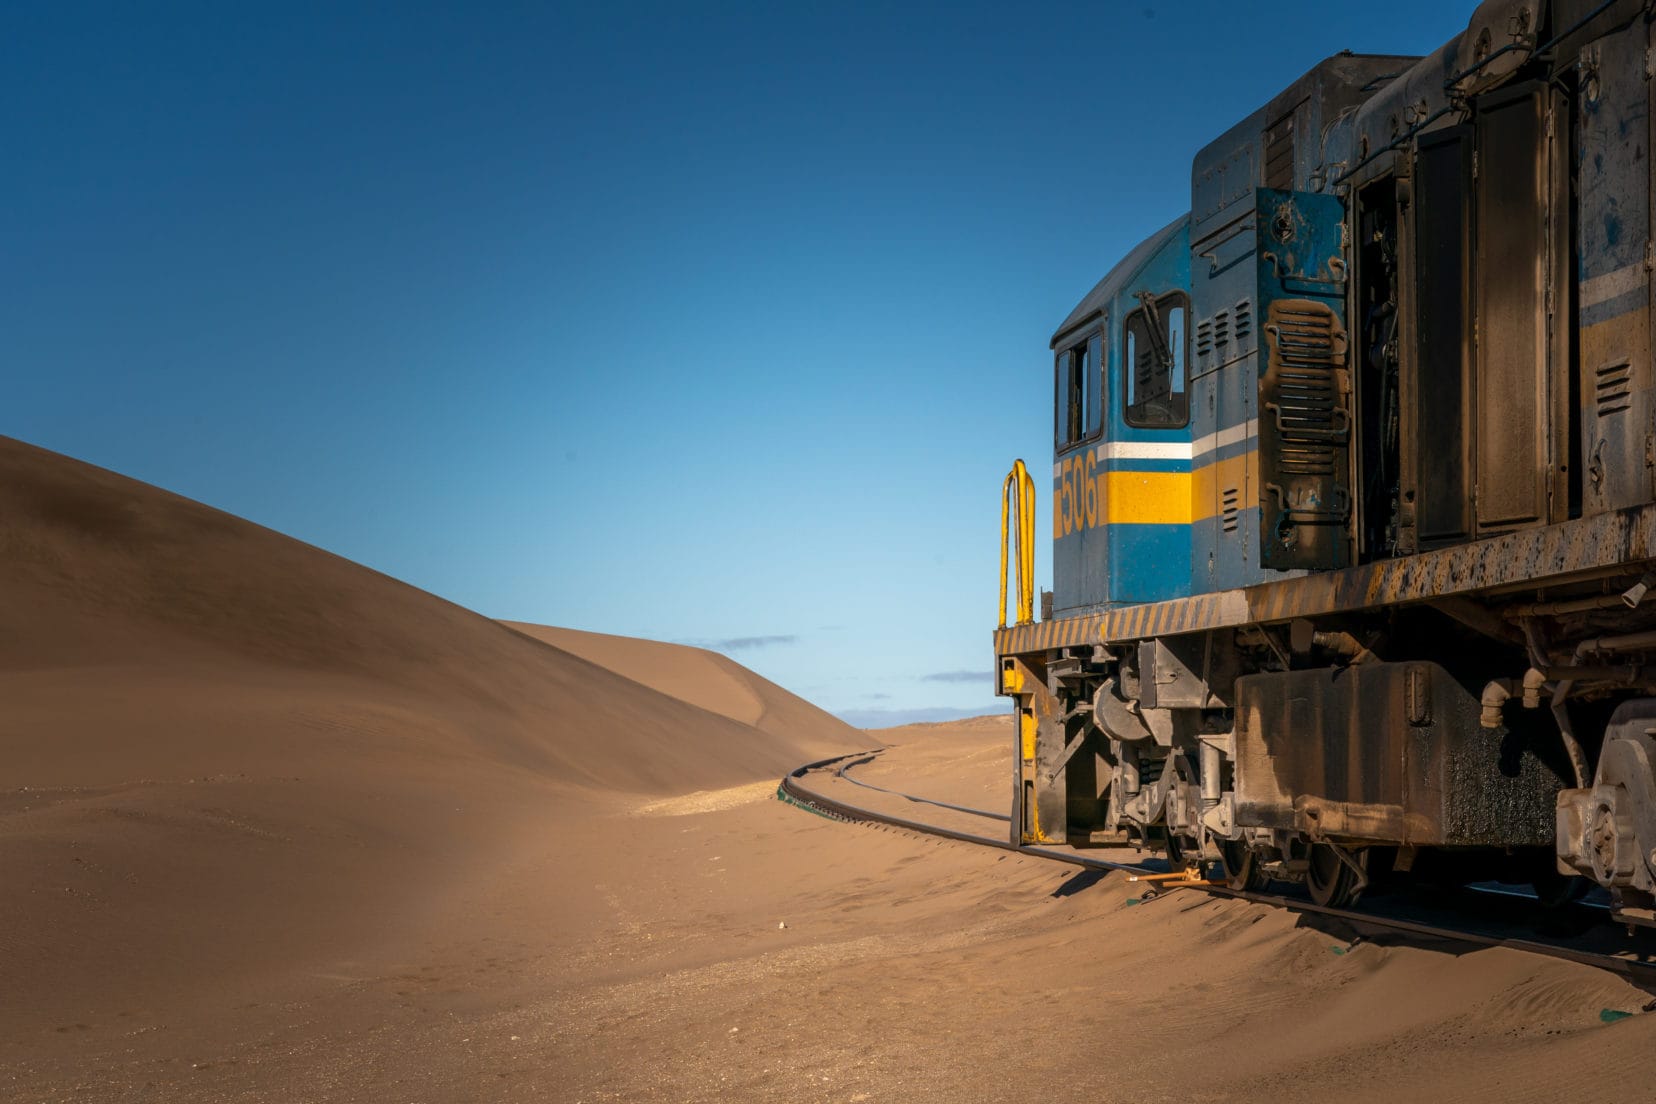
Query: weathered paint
[1543,556]
[1392,752]
[1122,504]
[1613,293]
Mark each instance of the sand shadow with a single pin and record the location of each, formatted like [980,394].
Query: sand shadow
[1079,881]
[1571,928]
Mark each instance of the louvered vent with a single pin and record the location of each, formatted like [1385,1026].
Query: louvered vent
[1309,409]
[1230,509]
[1279,154]
[1613,388]
[1225,336]
[1204,340]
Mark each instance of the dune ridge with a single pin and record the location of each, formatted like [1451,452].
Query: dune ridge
[704,678]
[227,753]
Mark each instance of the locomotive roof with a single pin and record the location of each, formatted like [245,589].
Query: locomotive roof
[1097,300]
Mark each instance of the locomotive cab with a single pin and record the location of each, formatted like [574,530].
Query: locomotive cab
[1121,470]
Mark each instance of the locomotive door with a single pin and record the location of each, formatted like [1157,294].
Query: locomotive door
[1304,382]
[1613,303]
[1437,390]
[1511,324]
[1510,304]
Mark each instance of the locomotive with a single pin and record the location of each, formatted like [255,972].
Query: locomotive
[1354,487]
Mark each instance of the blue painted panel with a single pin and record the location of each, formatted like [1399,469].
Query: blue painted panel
[1614,132]
[1108,565]
[1236,272]
[1306,517]
[1067,588]
[1147,562]
[1151,562]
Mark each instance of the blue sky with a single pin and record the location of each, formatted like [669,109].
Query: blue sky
[713,323]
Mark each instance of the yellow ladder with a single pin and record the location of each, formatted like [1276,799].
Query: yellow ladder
[1018,495]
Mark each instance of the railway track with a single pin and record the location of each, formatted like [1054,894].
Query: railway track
[1599,944]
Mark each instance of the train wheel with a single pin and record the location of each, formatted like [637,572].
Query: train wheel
[1242,869]
[1557,891]
[1175,852]
[1331,882]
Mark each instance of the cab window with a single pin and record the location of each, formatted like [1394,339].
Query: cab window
[1080,377]
[1153,362]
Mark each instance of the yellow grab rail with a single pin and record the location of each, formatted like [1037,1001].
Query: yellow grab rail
[1018,493]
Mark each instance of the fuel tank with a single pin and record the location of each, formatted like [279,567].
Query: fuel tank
[1390,753]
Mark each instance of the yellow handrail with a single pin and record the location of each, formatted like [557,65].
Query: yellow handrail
[1018,493]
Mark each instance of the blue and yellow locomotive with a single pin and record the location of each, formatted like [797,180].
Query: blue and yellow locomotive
[1354,482]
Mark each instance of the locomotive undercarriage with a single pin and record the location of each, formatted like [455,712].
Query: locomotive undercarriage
[1507,737]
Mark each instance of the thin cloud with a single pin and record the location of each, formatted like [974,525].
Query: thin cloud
[981,675]
[742,643]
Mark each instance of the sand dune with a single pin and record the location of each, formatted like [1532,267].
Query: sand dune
[104,573]
[275,827]
[229,756]
[706,679]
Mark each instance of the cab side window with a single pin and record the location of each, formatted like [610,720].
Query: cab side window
[1080,376]
[1153,363]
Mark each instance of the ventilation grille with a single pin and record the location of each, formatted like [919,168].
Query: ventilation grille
[1230,509]
[1221,332]
[1228,334]
[1613,388]
[1279,154]
[1309,409]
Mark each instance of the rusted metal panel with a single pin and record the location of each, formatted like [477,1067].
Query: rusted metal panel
[1387,753]
[1436,384]
[1581,21]
[1186,672]
[1282,146]
[1563,364]
[1304,385]
[1509,298]
[1614,284]
[1040,783]
[1541,556]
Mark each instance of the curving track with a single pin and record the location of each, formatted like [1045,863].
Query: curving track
[1601,944]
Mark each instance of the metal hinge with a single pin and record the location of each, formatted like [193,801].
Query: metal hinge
[1650,62]
[1650,256]
[1549,122]
[1474,164]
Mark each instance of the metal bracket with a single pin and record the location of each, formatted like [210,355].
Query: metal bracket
[1067,754]
[1224,741]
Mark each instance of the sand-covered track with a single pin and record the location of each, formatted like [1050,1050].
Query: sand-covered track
[1602,946]
[842,769]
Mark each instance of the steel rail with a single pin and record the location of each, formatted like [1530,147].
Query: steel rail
[1640,972]
[857,761]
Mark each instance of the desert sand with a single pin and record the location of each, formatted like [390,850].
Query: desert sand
[275,827]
